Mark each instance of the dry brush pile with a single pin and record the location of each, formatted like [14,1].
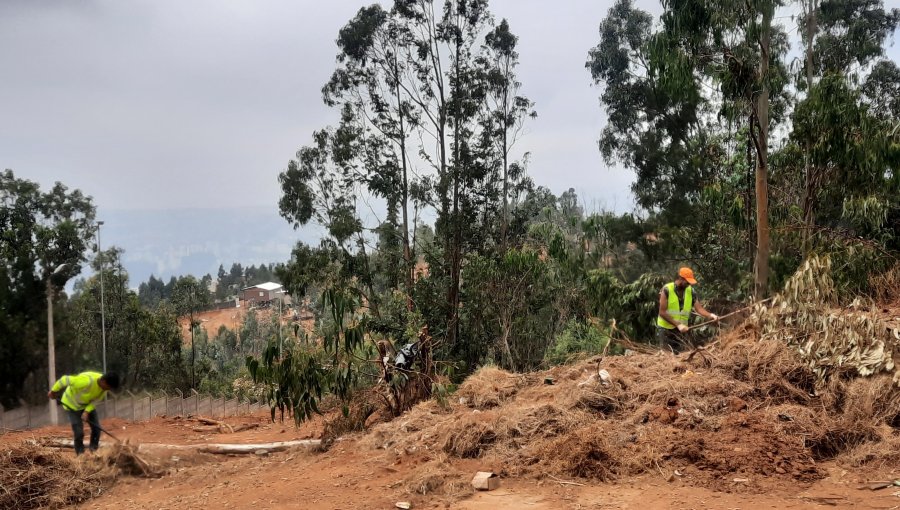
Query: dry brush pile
[36,476]
[767,401]
[859,339]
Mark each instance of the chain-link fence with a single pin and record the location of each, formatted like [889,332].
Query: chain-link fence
[130,406]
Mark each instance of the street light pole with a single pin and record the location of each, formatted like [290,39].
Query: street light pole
[51,342]
[102,305]
[280,326]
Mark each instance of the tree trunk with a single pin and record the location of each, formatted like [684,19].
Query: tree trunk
[810,186]
[193,349]
[409,266]
[751,171]
[504,343]
[762,180]
[504,224]
[455,248]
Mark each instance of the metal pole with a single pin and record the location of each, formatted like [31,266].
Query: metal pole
[51,341]
[51,349]
[280,316]
[102,305]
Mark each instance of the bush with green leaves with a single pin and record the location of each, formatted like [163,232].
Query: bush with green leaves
[576,340]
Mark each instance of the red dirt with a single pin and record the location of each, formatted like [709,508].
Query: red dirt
[353,475]
[232,318]
[212,320]
[176,430]
[738,430]
[349,476]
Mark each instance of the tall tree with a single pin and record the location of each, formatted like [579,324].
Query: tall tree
[40,232]
[505,111]
[188,296]
[373,89]
[842,37]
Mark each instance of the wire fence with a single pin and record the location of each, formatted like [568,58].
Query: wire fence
[134,407]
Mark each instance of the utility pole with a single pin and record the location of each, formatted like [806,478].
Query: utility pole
[51,342]
[102,305]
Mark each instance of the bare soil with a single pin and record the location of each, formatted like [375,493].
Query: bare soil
[740,426]
[351,476]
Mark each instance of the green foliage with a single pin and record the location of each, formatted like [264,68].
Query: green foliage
[510,313]
[143,344]
[851,32]
[296,377]
[634,305]
[294,380]
[577,339]
[39,232]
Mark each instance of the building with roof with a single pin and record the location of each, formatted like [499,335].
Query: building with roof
[262,293]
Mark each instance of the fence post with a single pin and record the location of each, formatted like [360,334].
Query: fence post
[133,397]
[196,401]
[28,412]
[180,402]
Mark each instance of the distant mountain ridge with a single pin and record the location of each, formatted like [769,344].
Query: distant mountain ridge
[172,242]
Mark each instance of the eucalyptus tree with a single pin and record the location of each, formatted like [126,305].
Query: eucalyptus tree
[372,85]
[844,141]
[665,89]
[504,112]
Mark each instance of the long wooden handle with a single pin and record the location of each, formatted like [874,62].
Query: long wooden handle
[707,323]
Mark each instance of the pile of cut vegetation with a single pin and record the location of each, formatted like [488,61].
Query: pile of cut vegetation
[729,417]
[836,340]
[37,476]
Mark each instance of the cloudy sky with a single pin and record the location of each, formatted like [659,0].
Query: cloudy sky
[172,104]
[157,107]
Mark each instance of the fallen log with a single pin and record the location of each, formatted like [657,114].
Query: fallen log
[246,426]
[222,426]
[228,449]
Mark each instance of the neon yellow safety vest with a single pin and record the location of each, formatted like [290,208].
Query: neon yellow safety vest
[682,315]
[81,391]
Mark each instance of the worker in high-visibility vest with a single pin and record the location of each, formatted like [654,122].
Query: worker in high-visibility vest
[676,300]
[78,393]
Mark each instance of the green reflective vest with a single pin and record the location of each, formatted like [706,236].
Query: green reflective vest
[682,315]
[81,391]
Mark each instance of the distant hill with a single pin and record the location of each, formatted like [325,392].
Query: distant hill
[167,243]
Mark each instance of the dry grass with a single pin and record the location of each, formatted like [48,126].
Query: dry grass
[39,477]
[35,476]
[880,454]
[584,453]
[437,477]
[871,400]
[489,387]
[771,368]
[884,286]
[751,408]
[470,436]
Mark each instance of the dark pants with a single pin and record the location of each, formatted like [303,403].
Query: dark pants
[674,340]
[78,429]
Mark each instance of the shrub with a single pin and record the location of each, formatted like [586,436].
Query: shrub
[577,338]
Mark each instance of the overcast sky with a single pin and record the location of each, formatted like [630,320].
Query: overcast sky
[161,104]
[172,104]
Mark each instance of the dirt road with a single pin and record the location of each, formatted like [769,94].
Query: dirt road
[352,475]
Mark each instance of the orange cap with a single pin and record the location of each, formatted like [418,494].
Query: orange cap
[687,274]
